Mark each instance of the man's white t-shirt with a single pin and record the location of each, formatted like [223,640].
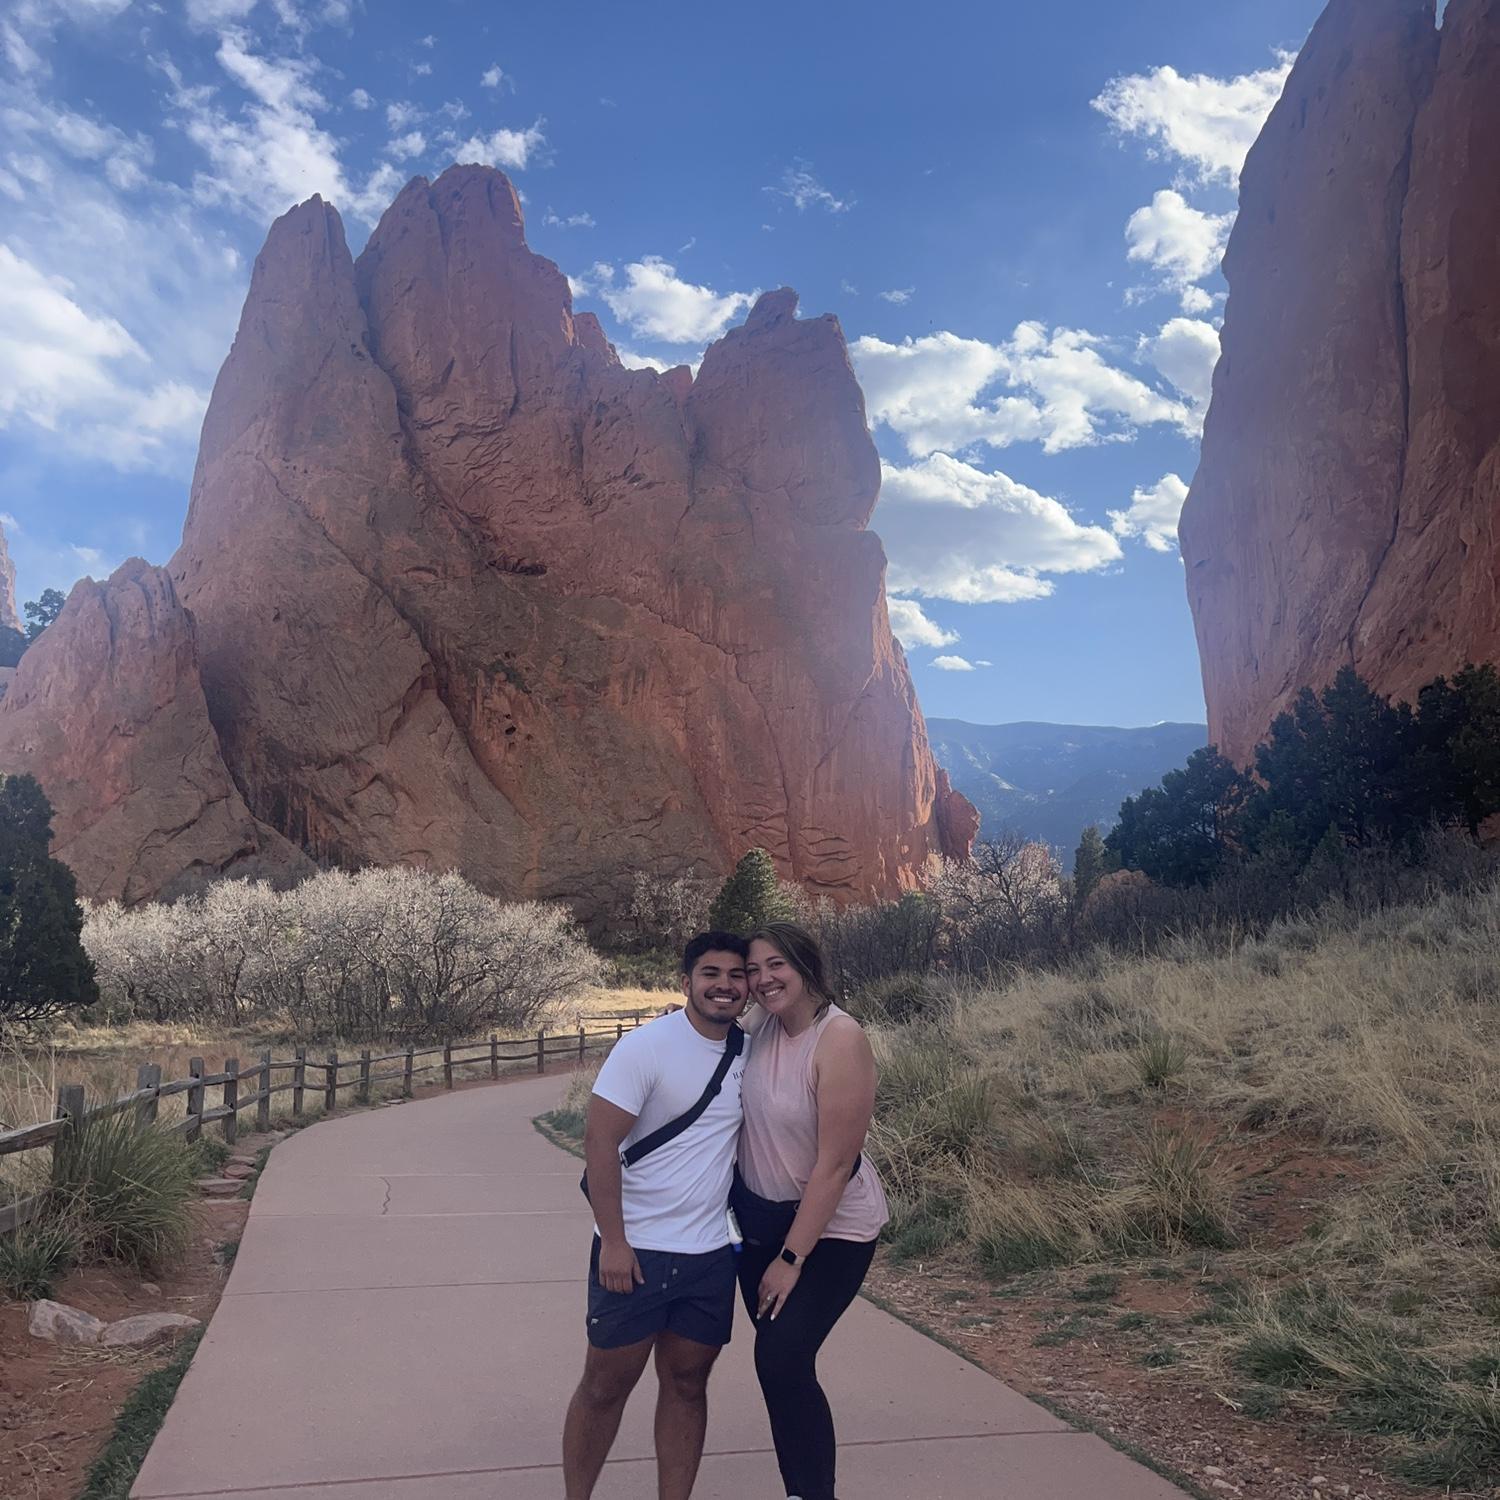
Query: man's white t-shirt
[674,1198]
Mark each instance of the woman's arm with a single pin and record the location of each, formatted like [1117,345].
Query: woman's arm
[844,1080]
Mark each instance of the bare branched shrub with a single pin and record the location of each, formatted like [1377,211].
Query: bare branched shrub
[380,953]
[664,911]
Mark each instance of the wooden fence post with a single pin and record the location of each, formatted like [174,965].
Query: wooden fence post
[541,1051]
[195,1099]
[582,1043]
[494,1055]
[263,1104]
[406,1072]
[331,1084]
[447,1065]
[70,1107]
[299,1080]
[231,1100]
[619,1030]
[147,1076]
[364,1076]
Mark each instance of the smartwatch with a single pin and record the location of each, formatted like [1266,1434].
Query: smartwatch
[791,1257]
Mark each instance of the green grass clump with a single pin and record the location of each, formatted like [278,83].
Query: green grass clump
[33,1257]
[1160,1058]
[113,1472]
[1161,1356]
[130,1188]
[924,1227]
[1102,1286]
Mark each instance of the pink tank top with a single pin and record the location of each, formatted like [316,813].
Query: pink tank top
[779,1139]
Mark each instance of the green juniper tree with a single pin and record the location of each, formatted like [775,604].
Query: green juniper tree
[751,896]
[1089,864]
[40,613]
[43,966]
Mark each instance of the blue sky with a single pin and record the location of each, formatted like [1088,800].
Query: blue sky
[1015,210]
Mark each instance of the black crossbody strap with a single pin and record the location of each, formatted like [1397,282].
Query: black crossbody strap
[734,1044]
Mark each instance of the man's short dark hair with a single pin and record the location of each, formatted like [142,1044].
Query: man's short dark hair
[713,942]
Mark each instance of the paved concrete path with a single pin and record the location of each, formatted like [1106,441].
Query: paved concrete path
[405,1322]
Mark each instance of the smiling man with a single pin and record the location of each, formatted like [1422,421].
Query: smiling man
[663,1124]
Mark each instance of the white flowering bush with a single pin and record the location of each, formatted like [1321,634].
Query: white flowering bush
[381,953]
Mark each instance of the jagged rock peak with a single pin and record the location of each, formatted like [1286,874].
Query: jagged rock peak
[461,591]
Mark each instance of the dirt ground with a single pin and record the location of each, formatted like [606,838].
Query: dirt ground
[57,1403]
[1123,1346]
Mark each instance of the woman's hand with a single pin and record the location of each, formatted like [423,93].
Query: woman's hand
[776,1286]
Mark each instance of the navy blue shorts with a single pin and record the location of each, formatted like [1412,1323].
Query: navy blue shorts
[689,1295]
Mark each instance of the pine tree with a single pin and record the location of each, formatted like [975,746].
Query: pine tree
[43,965]
[1089,864]
[750,897]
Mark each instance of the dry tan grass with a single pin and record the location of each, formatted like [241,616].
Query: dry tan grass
[1118,1088]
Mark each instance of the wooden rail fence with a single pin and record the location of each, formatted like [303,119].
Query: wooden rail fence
[307,1074]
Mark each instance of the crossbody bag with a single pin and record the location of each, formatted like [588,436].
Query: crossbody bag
[734,1044]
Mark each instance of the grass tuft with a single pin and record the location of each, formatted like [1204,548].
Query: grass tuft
[35,1256]
[112,1474]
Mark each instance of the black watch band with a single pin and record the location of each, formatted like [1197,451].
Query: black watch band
[791,1257]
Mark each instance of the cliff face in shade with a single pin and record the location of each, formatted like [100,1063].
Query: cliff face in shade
[1343,512]
[107,711]
[468,593]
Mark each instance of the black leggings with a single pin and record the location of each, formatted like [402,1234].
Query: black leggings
[786,1355]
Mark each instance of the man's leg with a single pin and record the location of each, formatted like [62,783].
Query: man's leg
[609,1376]
[682,1368]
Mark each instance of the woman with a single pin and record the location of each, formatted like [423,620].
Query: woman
[809,1204]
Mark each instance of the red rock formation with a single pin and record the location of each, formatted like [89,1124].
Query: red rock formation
[8,615]
[1343,512]
[468,593]
[107,711]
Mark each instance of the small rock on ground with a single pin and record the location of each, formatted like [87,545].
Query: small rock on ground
[239,1171]
[63,1324]
[145,1329]
[219,1187]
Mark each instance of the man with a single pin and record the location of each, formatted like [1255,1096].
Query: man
[662,1272]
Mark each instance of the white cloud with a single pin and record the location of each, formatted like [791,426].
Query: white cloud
[898,295]
[573,221]
[654,302]
[213,14]
[1182,242]
[124,159]
[848,288]
[1207,123]
[952,664]
[801,188]
[635,361]
[1196,300]
[413,143]
[1083,398]
[361,98]
[1153,514]
[428,41]
[928,391]
[505,148]
[1060,390]
[61,365]
[491,77]
[1186,351]
[911,626]
[402,113]
[953,531]
[422,69]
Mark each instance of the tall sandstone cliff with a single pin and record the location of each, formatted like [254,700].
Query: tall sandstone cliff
[1344,510]
[465,592]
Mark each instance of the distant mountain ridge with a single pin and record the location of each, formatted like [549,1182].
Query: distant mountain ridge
[1050,781]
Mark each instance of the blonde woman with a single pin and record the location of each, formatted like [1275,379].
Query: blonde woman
[810,1205]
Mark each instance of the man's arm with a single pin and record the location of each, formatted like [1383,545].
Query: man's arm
[607,1127]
